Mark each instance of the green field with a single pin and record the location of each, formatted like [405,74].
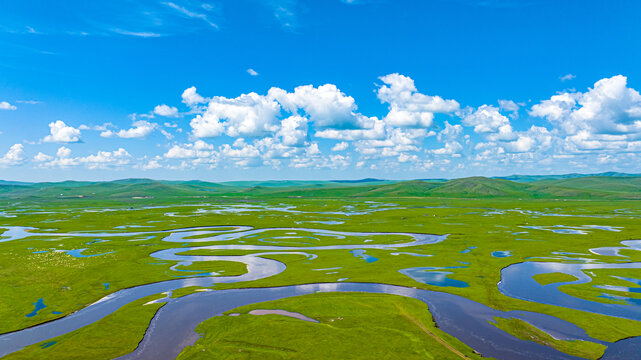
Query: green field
[479,215]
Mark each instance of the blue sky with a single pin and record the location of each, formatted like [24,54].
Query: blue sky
[287,89]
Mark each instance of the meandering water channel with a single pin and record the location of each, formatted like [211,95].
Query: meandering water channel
[465,319]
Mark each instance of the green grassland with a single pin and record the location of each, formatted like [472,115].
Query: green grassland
[605,186]
[607,277]
[115,335]
[351,326]
[525,331]
[553,278]
[487,214]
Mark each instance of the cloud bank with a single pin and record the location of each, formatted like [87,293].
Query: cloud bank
[322,127]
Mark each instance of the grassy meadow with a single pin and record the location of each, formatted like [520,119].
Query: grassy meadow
[479,216]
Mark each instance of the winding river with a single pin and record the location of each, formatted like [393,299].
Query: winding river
[465,319]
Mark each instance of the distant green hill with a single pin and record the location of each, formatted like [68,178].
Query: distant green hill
[413,188]
[304,183]
[481,187]
[607,186]
[119,189]
[3,182]
[598,184]
[473,187]
[272,183]
[366,180]
[530,178]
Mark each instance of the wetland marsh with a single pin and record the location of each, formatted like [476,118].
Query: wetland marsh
[434,277]
[318,180]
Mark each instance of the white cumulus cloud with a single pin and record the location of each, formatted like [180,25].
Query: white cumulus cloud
[191,97]
[293,131]
[199,149]
[607,116]
[42,157]
[15,156]
[489,121]
[407,106]
[140,129]
[247,115]
[325,105]
[106,159]
[166,110]
[62,133]
[63,152]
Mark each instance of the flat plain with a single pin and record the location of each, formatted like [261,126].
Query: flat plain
[549,265]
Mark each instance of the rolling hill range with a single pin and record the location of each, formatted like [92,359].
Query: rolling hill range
[530,178]
[585,187]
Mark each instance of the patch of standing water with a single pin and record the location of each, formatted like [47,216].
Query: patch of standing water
[574,230]
[283,313]
[559,229]
[39,305]
[632,280]
[568,253]
[604,227]
[47,344]
[501,254]
[361,254]
[625,289]
[411,254]
[517,281]
[624,299]
[15,233]
[468,250]
[77,253]
[329,222]
[132,226]
[570,259]
[614,251]
[142,239]
[432,276]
